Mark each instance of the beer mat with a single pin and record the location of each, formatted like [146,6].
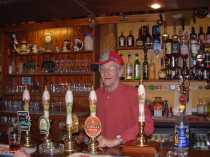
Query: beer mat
[90,155]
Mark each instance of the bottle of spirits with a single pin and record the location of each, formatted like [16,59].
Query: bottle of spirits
[129,69]
[123,76]
[193,43]
[184,49]
[139,40]
[137,68]
[168,47]
[145,66]
[208,35]
[181,136]
[156,39]
[162,73]
[130,40]
[185,71]
[201,36]
[152,70]
[175,44]
[122,40]
[148,39]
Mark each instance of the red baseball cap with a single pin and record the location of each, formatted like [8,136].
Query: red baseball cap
[110,56]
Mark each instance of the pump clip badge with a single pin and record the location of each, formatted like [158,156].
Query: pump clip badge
[92,126]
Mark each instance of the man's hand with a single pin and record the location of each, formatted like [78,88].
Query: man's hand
[104,142]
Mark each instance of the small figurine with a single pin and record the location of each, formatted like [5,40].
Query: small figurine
[13,42]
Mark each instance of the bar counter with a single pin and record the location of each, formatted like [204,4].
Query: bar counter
[117,152]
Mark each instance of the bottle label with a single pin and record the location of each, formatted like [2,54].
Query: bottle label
[130,43]
[129,71]
[122,42]
[175,48]
[168,48]
[137,72]
[139,43]
[181,137]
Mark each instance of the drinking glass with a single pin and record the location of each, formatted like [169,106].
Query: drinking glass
[14,137]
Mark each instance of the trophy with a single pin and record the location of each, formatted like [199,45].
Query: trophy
[68,144]
[26,100]
[92,123]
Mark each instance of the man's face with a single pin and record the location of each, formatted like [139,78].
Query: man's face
[110,74]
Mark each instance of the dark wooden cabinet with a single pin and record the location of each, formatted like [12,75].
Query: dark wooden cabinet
[56,57]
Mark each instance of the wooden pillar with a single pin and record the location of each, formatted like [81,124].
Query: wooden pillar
[107,37]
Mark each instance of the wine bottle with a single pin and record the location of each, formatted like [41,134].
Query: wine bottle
[129,68]
[130,40]
[139,41]
[122,40]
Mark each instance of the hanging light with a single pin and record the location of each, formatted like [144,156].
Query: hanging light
[155,4]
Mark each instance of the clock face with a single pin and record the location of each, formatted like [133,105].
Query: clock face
[48,37]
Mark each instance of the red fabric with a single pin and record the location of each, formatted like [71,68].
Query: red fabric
[118,112]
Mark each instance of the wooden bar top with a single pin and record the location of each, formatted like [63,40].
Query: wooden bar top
[117,152]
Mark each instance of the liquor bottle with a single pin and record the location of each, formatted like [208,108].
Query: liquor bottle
[165,108]
[152,70]
[137,68]
[168,47]
[123,76]
[148,38]
[122,40]
[144,34]
[156,39]
[181,136]
[139,41]
[173,67]
[175,44]
[145,66]
[185,71]
[184,49]
[193,75]
[162,73]
[129,69]
[201,36]
[193,43]
[208,35]
[130,40]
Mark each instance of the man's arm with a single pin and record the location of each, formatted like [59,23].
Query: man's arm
[149,123]
[131,133]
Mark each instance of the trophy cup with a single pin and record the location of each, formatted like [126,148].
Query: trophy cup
[92,123]
[26,100]
[68,144]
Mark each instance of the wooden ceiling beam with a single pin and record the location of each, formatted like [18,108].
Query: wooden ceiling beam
[82,21]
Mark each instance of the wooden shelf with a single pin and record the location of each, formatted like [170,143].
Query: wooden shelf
[81,94]
[33,114]
[170,122]
[51,74]
[51,53]
[129,48]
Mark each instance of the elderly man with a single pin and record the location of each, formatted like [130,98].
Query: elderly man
[117,105]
